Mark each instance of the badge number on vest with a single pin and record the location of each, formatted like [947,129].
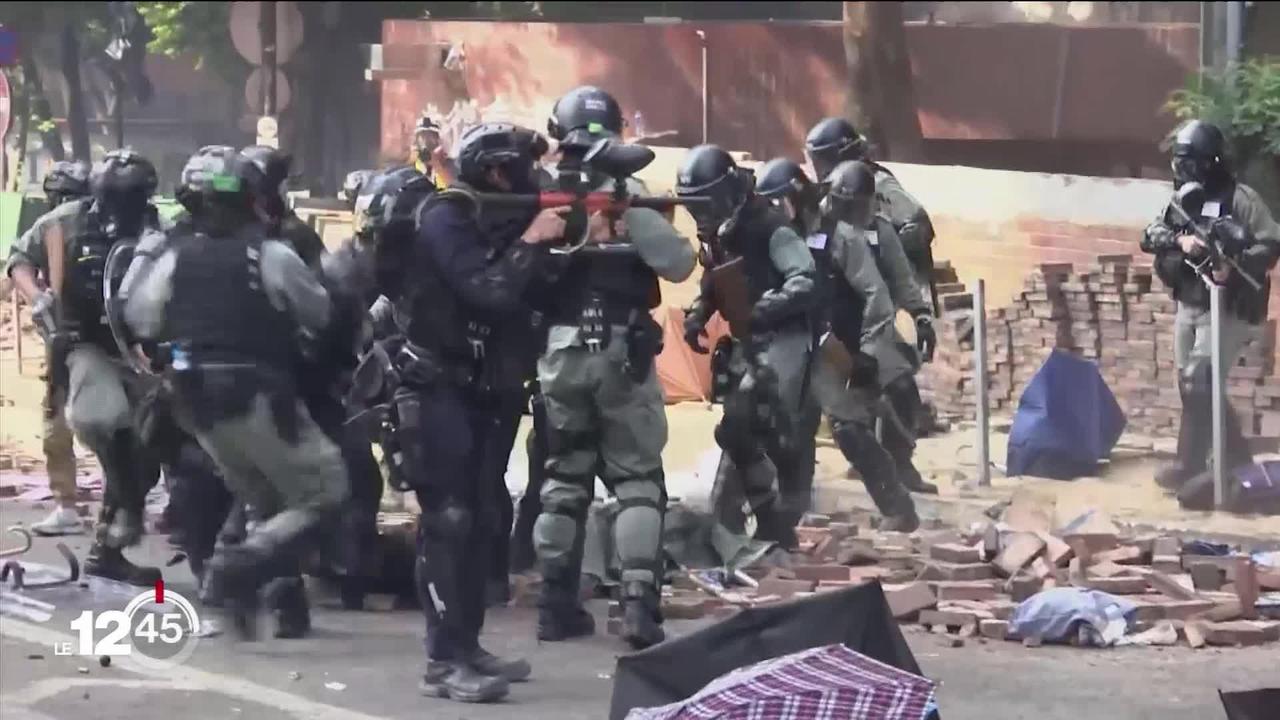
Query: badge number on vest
[817,241]
[1211,209]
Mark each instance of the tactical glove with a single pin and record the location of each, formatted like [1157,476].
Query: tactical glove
[695,327]
[926,337]
[44,314]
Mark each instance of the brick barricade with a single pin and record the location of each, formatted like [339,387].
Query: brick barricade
[1108,311]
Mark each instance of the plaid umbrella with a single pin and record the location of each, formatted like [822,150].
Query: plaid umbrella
[824,683]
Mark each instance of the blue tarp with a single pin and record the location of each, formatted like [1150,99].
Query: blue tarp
[1067,421]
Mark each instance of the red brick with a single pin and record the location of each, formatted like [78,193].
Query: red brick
[955,553]
[1119,585]
[1123,555]
[994,629]
[783,588]
[1242,632]
[976,590]
[1018,550]
[1170,585]
[936,570]
[1246,582]
[905,601]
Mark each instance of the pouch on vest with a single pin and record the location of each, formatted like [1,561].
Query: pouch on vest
[721,370]
[733,300]
[593,323]
[644,342]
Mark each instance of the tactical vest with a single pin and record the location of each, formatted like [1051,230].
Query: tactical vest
[749,240]
[219,311]
[82,294]
[842,306]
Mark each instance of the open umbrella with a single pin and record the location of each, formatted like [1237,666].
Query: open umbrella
[1067,421]
[826,682]
[857,617]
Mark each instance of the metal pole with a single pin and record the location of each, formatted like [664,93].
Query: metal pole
[1219,409]
[267,29]
[17,330]
[702,38]
[980,382]
[1235,32]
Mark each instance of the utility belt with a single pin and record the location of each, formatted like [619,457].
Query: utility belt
[419,368]
[596,321]
[212,386]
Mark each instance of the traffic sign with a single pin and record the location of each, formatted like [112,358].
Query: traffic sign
[247,39]
[267,127]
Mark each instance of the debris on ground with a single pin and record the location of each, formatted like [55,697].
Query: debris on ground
[1021,577]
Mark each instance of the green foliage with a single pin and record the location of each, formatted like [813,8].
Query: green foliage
[1244,102]
[195,28]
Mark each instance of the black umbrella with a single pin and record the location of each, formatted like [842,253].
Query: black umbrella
[858,617]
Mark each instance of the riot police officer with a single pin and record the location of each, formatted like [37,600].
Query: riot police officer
[65,181]
[834,140]
[458,295]
[1232,214]
[273,207]
[750,246]
[604,406]
[784,183]
[86,362]
[231,304]
[862,354]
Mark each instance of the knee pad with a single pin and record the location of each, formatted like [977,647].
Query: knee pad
[452,522]
[565,501]
[638,528]
[563,442]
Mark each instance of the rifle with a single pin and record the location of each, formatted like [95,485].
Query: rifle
[614,160]
[1187,203]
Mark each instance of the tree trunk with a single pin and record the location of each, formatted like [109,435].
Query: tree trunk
[76,120]
[881,100]
[51,139]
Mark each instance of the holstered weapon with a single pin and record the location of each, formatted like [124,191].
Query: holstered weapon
[729,288]
[644,342]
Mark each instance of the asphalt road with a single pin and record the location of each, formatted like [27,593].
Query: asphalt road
[376,656]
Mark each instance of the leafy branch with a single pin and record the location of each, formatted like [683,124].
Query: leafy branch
[1244,102]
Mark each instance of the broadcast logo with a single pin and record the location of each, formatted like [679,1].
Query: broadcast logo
[157,629]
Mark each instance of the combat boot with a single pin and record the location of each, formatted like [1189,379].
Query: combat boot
[560,612]
[110,563]
[486,663]
[458,680]
[641,616]
[910,478]
[773,525]
[287,598]
[880,477]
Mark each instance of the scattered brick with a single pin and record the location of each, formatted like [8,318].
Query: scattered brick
[1017,550]
[1023,586]
[955,553]
[1242,633]
[964,590]
[906,601]
[947,618]
[1207,576]
[1175,587]
[783,588]
[1119,585]
[954,571]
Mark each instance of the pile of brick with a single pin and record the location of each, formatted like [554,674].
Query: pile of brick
[969,584]
[1110,312]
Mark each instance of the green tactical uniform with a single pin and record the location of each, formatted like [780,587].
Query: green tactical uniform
[914,228]
[101,386]
[601,413]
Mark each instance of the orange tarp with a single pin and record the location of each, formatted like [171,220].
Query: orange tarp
[685,374]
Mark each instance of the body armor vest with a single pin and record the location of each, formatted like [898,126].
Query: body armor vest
[841,306]
[219,311]
[84,275]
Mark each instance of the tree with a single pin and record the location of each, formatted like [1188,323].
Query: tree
[881,98]
[1244,101]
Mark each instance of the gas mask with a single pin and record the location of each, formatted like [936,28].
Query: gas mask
[857,210]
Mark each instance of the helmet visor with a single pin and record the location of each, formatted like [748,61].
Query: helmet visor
[824,159]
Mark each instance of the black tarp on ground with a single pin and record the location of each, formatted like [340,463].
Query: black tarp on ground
[1261,704]
[858,617]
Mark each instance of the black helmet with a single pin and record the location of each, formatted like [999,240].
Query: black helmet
[832,141]
[709,171]
[65,181]
[272,170]
[852,193]
[490,145]
[387,200]
[783,179]
[584,115]
[217,175]
[354,181]
[121,184]
[1199,154]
